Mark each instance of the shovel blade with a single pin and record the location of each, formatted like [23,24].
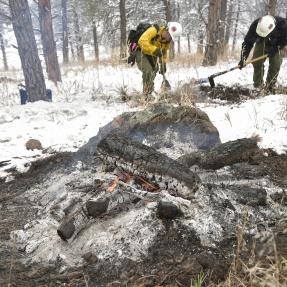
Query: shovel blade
[165,85]
[211,82]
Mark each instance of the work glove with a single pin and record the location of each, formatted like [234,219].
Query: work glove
[242,61]
[132,59]
[162,68]
[273,51]
[244,55]
[158,53]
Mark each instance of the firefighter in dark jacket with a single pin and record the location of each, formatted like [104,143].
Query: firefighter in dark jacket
[269,34]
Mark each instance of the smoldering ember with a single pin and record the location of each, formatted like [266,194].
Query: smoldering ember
[121,211]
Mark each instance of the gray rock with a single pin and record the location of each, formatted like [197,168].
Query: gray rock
[162,126]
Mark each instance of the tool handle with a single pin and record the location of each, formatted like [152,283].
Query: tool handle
[237,67]
[223,72]
[256,59]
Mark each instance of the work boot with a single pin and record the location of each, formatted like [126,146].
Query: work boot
[269,89]
[257,91]
[150,97]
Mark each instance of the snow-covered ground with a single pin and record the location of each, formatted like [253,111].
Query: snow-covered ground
[89,98]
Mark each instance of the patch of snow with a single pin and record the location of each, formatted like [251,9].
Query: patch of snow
[89,98]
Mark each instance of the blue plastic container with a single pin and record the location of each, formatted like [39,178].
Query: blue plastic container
[23,96]
[25,99]
[49,95]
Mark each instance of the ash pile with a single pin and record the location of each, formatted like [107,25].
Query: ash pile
[154,198]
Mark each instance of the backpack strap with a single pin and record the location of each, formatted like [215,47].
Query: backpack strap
[156,26]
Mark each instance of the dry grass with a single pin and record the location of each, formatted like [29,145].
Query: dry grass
[187,60]
[267,271]
[283,113]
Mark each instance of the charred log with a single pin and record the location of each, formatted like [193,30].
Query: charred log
[226,154]
[168,210]
[149,163]
[97,207]
[250,196]
[73,224]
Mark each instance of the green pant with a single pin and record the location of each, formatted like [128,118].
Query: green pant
[149,67]
[275,62]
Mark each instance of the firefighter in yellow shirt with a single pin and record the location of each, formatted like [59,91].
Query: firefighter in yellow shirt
[151,54]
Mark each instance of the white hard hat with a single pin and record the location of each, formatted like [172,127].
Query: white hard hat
[265,26]
[174,29]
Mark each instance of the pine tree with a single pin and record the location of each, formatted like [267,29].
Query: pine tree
[48,42]
[27,49]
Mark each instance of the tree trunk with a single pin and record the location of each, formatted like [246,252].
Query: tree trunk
[123,25]
[222,26]
[72,50]
[78,37]
[188,43]
[178,18]
[211,51]
[65,32]
[199,49]
[168,18]
[5,62]
[228,24]
[271,7]
[235,28]
[27,49]
[96,43]
[48,41]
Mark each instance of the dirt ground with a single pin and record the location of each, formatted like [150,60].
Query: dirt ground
[193,93]
[171,261]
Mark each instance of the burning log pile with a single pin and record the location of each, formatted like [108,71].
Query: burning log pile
[147,162]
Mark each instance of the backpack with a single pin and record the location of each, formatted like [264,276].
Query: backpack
[134,36]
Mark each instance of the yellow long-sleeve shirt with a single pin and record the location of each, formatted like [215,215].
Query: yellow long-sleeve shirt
[151,39]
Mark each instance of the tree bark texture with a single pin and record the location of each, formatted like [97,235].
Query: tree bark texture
[211,51]
[77,33]
[96,43]
[3,50]
[271,7]
[168,17]
[188,43]
[48,41]
[178,41]
[222,26]
[236,27]
[199,49]
[228,24]
[27,49]
[123,28]
[65,32]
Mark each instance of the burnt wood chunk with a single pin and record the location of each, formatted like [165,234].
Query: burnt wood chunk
[225,154]
[97,207]
[66,229]
[168,210]
[73,224]
[147,161]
